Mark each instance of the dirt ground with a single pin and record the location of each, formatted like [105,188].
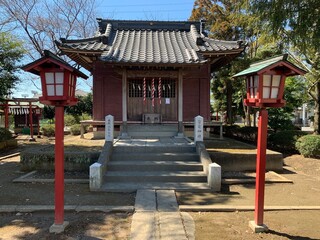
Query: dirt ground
[304,191]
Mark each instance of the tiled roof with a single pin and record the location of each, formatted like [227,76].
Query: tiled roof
[264,64]
[151,42]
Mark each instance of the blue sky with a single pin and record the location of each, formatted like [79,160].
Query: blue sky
[165,10]
[170,10]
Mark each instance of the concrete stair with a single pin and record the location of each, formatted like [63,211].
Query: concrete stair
[152,130]
[155,167]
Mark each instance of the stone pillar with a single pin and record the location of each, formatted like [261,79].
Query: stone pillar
[304,106]
[95,173]
[198,129]
[109,128]
[214,177]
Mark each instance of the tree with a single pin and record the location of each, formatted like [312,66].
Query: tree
[83,106]
[40,22]
[295,95]
[228,20]
[296,24]
[11,52]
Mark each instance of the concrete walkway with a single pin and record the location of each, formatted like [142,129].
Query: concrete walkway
[157,217]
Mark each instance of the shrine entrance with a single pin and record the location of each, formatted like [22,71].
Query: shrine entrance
[152,100]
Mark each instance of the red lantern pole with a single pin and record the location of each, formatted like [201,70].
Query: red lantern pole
[59,166]
[258,225]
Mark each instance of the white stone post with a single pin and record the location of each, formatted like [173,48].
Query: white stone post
[198,129]
[214,177]
[109,128]
[95,173]
[304,106]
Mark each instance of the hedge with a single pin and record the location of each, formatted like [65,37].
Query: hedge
[285,141]
[5,134]
[282,141]
[43,159]
[309,146]
[48,130]
[247,134]
[75,129]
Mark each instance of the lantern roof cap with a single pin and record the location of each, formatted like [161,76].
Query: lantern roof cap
[262,66]
[49,57]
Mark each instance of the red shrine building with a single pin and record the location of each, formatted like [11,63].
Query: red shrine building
[151,71]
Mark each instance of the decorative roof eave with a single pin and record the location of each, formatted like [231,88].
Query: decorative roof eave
[222,53]
[82,57]
[145,64]
[48,57]
[272,63]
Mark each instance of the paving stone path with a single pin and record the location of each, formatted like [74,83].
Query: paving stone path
[157,216]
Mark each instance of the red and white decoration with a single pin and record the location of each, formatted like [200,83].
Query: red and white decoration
[159,90]
[144,90]
[152,93]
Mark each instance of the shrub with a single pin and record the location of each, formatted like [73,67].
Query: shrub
[285,141]
[230,130]
[248,134]
[309,145]
[48,130]
[43,159]
[5,134]
[75,129]
[70,120]
[85,116]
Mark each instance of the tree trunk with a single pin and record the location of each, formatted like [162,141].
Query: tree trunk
[229,102]
[317,109]
[255,118]
[247,113]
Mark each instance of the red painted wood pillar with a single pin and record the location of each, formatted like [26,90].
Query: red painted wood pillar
[31,121]
[261,166]
[59,166]
[38,125]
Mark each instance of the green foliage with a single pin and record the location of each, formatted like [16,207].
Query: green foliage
[280,119]
[295,21]
[309,145]
[70,120]
[295,95]
[75,129]
[11,51]
[247,134]
[295,25]
[35,159]
[84,105]
[230,130]
[48,130]
[5,134]
[285,141]
[85,116]
[48,112]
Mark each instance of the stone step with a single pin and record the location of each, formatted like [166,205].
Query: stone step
[178,186]
[152,130]
[154,166]
[152,127]
[186,156]
[154,149]
[152,133]
[154,176]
